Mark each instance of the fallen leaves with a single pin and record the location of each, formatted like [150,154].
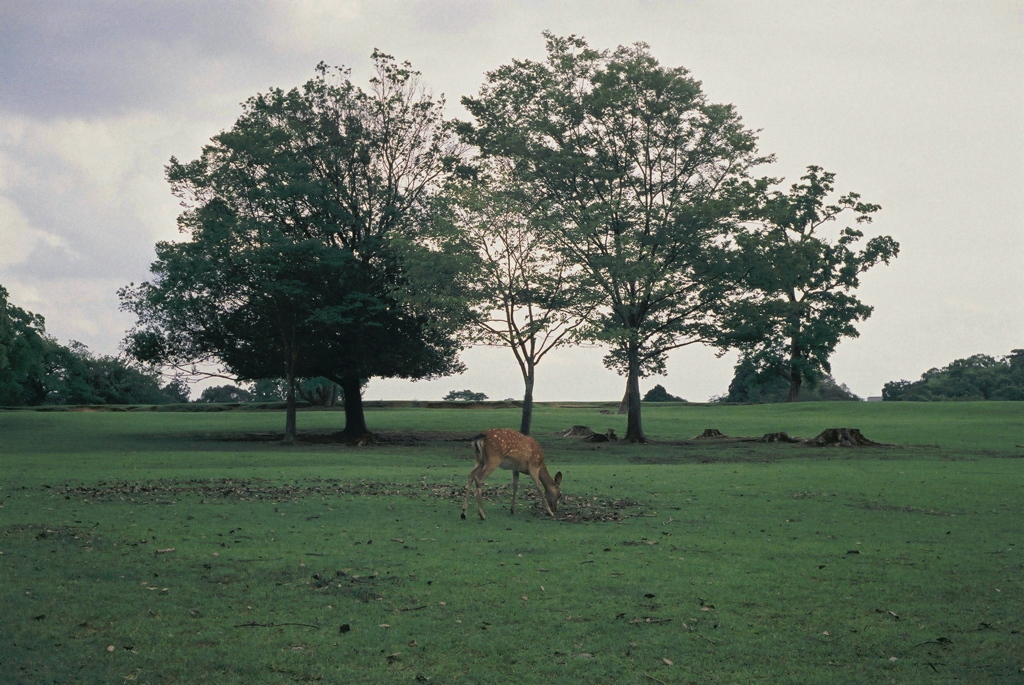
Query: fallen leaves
[572,509]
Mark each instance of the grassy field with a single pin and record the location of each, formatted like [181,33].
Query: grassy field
[158,547]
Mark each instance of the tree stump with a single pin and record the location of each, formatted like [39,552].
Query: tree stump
[777,437]
[578,432]
[602,437]
[710,433]
[841,437]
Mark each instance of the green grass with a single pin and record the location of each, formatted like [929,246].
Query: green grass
[684,562]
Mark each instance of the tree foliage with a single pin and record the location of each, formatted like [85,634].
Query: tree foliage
[752,383]
[801,300]
[308,238]
[23,349]
[224,394]
[978,377]
[37,370]
[464,396]
[75,375]
[526,295]
[659,394]
[633,170]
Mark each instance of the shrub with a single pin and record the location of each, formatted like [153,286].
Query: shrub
[464,396]
[659,394]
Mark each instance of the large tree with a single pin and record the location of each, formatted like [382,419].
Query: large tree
[801,282]
[526,294]
[635,171]
[308,239]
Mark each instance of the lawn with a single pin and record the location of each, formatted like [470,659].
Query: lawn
[163,547]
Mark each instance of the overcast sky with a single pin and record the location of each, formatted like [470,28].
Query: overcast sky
[918,106]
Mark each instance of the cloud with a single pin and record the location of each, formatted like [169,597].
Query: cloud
[90,195]
[75,309]
[66,57]
[16,237]
[917,106]
[452,17]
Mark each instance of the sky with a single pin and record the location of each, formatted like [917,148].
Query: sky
[916,105]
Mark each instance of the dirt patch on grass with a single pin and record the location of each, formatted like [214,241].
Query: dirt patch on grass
[81,535]
[881,506]
[364,588]
[247,490]
[572,508]
[720,451]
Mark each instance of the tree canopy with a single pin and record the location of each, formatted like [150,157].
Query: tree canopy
[37,370]
[309,242]
[659,394]
[23,350]
[526,295]
[634,171]
[752,383]
[800,300]
[978,377]
[224,394]
[464,396]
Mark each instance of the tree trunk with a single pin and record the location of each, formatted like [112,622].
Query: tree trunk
[795,378]
[796,353]
[634,424]
[355,419]
[290,419]
[795,382]
[527,418]
[624,404]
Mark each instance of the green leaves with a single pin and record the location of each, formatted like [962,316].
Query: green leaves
[23,346]
[978,377]
[800,302]
[632,170]
[305,225]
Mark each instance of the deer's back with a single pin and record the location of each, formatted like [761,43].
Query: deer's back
[511,446]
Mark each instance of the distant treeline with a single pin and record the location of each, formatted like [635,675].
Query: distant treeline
[35,369]
[979,377]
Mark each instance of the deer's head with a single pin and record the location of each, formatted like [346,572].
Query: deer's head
[553,493]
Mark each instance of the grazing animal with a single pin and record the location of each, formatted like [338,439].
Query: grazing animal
[518,453]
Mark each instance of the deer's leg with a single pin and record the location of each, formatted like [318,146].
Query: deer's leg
[476,476]
[515,487]
[481,472]
[469,486]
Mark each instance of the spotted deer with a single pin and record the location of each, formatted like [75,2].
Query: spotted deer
[513,451]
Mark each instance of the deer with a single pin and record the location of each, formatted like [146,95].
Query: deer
[511,450]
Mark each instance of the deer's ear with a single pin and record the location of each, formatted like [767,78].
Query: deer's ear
[558,478]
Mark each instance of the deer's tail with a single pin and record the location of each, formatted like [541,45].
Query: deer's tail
[478,447]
